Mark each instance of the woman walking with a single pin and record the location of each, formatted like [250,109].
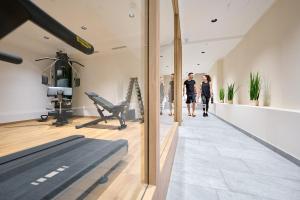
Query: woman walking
[206,93]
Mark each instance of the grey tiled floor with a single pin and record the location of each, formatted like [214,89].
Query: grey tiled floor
[215,161]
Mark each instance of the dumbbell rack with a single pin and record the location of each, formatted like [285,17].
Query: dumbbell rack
[134,83]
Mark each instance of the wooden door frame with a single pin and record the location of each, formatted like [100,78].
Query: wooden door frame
[157,187]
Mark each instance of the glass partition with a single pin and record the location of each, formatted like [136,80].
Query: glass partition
[90,107]
[166,70]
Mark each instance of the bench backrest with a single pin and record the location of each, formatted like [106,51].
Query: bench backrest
[107,105]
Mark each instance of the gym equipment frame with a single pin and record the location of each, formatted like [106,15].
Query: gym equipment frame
[10,58]
[102,105]
[134,83]
[63,109]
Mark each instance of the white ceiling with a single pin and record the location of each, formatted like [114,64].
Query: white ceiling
[235,18]
[107,25]
[107,21]
[107,29]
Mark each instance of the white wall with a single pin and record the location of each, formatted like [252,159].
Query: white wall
[272,48]
[166,61]
[217,78]
[108,75]
[278,127]
[22,94]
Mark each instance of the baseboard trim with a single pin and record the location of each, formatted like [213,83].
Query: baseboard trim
[18,121]
[266,144]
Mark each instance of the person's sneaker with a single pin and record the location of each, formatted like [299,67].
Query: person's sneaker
[204,115]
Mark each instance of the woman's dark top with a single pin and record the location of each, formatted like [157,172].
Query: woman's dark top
[205,88]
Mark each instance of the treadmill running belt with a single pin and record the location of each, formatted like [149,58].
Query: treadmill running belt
[45,171]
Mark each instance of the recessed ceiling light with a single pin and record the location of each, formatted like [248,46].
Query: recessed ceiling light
[198,64]
[131,15]
[83,27]
[228,5]
[46,37]
[132,8]
[203,52]
[214,20]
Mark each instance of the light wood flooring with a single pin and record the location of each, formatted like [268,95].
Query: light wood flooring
[125,182]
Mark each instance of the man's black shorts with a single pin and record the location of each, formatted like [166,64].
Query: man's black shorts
[190,98]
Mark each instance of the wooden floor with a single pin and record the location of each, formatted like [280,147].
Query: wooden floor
[124,182]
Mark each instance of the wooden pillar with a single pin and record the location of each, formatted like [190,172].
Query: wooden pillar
[152,89]
[178,68]
[160,181]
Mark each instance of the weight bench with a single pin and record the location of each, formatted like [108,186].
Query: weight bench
[117,111]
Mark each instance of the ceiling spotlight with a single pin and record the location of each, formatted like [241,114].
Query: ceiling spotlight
[198,64]
[203,52]
[131,15]
[214,20]
[132,8]
[46,37]
[83,27]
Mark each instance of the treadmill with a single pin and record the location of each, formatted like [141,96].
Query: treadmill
[63,169]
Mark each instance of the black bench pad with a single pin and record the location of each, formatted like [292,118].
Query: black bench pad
[107,105]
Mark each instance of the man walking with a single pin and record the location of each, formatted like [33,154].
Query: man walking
[162,95]
[171,94]
[191,92]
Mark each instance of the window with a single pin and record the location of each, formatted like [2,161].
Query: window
[95,103]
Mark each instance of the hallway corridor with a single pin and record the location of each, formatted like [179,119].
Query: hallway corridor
[215,161]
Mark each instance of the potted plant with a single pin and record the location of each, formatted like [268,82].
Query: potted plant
[230,93]
[222,95]
[255,86]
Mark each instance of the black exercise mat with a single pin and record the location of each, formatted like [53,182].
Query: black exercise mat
[45,173]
